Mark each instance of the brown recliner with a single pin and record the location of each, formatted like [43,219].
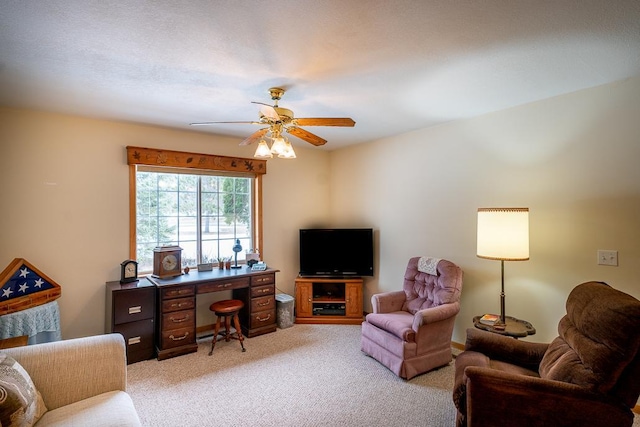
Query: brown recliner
[410,330]
[588,376]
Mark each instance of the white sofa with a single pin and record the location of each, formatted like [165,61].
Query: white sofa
[82,381]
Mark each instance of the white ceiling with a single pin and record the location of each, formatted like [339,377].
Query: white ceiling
[391,65]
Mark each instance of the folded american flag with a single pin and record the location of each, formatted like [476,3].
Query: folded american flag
[23,286]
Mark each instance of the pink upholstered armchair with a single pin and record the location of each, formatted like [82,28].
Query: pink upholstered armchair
[410,330]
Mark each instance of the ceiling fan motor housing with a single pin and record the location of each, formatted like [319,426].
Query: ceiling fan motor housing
[285,114]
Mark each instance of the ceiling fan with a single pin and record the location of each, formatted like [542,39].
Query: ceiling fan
[278,120]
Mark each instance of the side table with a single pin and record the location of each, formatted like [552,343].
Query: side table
[515,328]
[14,342]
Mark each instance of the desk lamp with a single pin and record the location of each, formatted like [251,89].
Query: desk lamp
[503,234]
[236,248]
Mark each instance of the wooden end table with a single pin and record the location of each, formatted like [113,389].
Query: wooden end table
[14,342]
[515,328]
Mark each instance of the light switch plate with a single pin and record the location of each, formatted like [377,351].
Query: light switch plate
[606,257]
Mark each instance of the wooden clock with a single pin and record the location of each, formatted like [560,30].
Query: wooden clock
[167,261]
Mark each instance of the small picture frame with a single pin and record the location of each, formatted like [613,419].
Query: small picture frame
[205,267]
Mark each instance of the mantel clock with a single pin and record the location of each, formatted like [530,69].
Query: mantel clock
[167,261]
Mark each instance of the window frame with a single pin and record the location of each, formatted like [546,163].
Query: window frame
[160,159]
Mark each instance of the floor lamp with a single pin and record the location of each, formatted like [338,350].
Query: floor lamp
[503,234]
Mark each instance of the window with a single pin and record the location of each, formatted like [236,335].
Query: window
[202,210]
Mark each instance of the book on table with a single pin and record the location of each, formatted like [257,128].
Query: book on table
[489,319]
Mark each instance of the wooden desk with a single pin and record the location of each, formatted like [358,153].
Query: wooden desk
[176,305]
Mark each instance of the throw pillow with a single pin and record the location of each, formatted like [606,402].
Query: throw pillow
[20,403]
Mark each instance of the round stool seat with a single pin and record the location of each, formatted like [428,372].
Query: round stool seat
[227,306]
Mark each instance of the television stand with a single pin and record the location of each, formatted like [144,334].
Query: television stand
[327,300]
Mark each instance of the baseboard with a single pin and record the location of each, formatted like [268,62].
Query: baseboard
[205,330]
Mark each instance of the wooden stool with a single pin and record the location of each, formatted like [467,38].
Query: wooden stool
[228,309]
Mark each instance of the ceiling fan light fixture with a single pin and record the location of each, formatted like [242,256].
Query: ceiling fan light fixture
[262,151]
[276,120]
[278,146]
[288,152]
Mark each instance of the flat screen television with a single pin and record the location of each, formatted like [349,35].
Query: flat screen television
[333,252]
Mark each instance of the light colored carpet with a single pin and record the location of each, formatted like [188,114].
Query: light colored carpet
[303,376]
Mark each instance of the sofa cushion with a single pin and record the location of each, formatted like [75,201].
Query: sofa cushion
[398,323]
[114,408]
[20,402]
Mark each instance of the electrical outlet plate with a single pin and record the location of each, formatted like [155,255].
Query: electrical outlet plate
[606,257]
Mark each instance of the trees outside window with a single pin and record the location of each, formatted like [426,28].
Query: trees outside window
[204,214]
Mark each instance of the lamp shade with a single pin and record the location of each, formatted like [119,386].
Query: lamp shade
[279,145]
[262,151]
[503,233]
[288,152]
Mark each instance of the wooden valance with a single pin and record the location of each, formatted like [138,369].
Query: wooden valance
[181,159]
[23,286]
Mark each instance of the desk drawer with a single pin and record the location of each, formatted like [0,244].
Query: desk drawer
[224,285]
[263,279]
[263,303]
[179,291]
[259,291]
[179,319]
[131,306]
[262,318]
[138,337]
[178,304]
[177,338]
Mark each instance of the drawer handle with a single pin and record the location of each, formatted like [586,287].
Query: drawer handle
[175,320]
[184,291]
[262,304]
[186,334]
[227,285]
[135,310]
[134,340]
[178,305]
[263,320]
[265,290]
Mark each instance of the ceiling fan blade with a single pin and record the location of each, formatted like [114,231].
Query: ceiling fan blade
[328,121]
[255,136]
[268,111]
[214,123]
[306,136]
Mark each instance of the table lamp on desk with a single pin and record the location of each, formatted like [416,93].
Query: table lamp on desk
[236,248]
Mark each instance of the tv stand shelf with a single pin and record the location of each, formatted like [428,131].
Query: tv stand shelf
[329,300]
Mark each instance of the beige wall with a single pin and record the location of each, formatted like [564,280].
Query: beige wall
[574,160]
[65,203]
